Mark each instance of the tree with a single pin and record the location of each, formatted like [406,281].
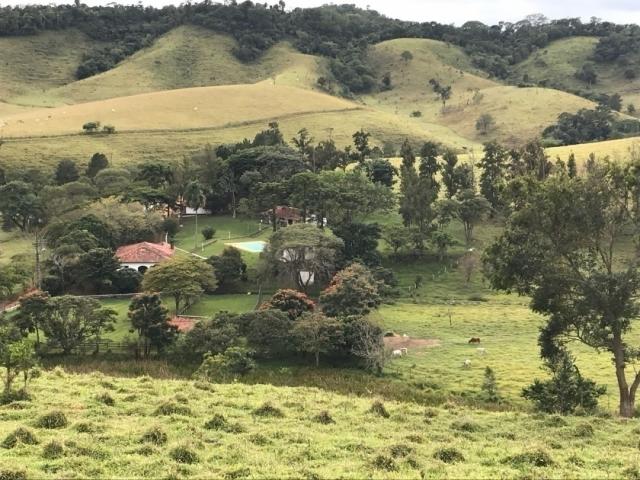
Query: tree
[74,320]
[417,193]
[366,342]
[444,92]
[151,320]
[195,198]
[565,391]
[268,332]
[406,56]
[20,205]
[360,241]
[183,278]
[572,167]
[229,267]
[429,166]
[232,363]
[208,232]
[380,170]
[292,302]
[469,208]
[316,333]
[268,196]
[66,172]
[587,73]
[469,263]
[489,386]
[96,269]
[17,357]
[352,292]
[213,335]
[493,176]
[32,313]
[303,142]
[91,127]
[631,110]
[112,181]
[303,253]
[563,247]
[485,123]
[396,237]
[98,162]
[449,173]
[361,142]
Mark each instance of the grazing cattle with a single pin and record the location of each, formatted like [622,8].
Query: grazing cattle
[466,363]
[396,353]
[482,351]
[474,340]
[404,351]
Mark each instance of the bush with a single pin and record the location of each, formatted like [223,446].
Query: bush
[465,426]
[84,427]
[208,232]
[400,450]
[54,419]
[324,418]
[536,458]
[184,454]
[584,430]
[239,473]
[106,399]
[234,362]
[52,450]
[259,439]
[382,462]
[13,475]
[154,435]
[448,455]
[268,410]
[378,408]
[292,302]
[218,422]
[20,435]
[172,408]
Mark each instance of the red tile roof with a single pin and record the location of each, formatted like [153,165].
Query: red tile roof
[183,324]
[144,252]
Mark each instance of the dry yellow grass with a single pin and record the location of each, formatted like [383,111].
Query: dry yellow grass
[176,110]
[618,150]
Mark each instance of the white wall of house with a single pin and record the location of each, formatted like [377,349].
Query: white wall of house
[136,266]
[192,211]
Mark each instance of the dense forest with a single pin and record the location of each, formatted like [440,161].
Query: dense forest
[340,32]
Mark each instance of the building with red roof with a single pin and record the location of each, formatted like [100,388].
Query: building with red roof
[141,256]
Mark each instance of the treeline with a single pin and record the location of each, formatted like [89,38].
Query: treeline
[342,33]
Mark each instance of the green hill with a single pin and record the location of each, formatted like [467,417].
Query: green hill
[520,114]
[143,428]
[558,63]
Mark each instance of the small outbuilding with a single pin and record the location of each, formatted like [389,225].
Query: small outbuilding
[142,256]
[284,215]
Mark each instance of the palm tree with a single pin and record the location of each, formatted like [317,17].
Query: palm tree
[195,197]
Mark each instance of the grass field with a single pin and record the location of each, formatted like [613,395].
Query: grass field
[13,243]
[288,440]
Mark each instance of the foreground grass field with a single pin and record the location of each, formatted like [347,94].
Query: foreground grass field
[140,427]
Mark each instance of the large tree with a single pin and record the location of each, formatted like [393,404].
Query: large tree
[316,333]
[565,248]
[20,205]
[151,320]
[185,278]
[303,253]
[352,292]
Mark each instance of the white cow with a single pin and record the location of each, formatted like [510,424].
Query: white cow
[405,351]
[396,353]
[482,351]
[466,363]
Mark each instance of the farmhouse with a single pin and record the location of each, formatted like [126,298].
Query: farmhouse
[141,256]
[284,215]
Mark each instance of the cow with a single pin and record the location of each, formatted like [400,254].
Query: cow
[475,340]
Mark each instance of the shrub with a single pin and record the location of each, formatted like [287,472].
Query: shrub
[19,435]
[448,455]
[208,232]
[13,475]
[378,408]
[415,438]
[172,408]
[154,435]
[239,473]
[106,399]
[324,418]
[84,427]
[430,413]
[382,462]
[400,450]
[259,439]
[465,426]
[292,302]
[52,450]
[536,458]
[54,419]
[234,362]
[218,422]
[555,421]
[584,430]
[268,410]
[184,454]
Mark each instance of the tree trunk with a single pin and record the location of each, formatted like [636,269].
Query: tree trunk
[317,358]
[195,235]
[233,203]
[627,395]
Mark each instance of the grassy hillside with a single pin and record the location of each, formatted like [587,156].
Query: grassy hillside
[192,57]
[29,66]
[520,114]
[239,431]
[620,150]
[558,62]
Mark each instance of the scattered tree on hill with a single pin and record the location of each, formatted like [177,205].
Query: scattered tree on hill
[469,208]
[317,334]
[75,320]
[485,123]
[563,249]
[150,319]
[380,170]
[444,92]
[493,177]
[352,292]
[17,357]
[98,162]
[406,56]
[572,167]
[109,129]
[32,313]
[587,73]
[396,236]
[66,171]
[490,386]
[366,341]
[303,142]
[20,205]
[91,127]
[429,166]
[631,109]
[183,278]
[361,142]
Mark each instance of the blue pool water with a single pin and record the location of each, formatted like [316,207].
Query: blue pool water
[253,247]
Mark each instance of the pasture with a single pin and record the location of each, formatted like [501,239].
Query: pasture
[186,429]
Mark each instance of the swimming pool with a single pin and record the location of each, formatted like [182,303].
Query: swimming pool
[253,247]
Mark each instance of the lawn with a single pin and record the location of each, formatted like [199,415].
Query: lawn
[262,431]
[14,243]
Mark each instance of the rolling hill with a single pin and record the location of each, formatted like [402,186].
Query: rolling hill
[558,62]
[520,114]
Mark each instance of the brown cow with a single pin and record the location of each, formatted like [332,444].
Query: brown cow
[474,340]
